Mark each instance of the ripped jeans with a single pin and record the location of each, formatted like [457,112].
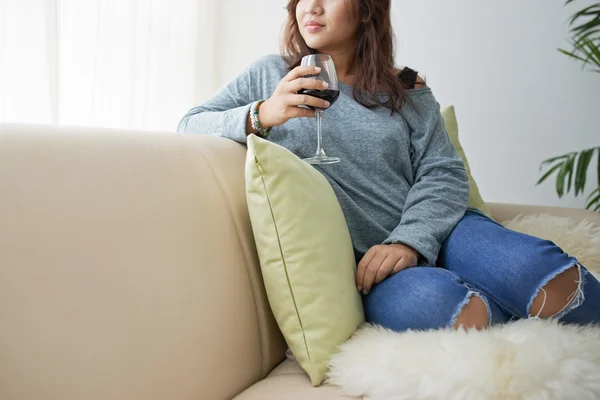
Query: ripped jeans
[504,268]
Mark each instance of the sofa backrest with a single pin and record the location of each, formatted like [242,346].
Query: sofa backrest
[128,268]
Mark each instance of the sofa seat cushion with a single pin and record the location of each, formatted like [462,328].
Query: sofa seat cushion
[289,382]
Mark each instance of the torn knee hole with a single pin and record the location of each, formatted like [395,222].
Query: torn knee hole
[473,314]
[560,295]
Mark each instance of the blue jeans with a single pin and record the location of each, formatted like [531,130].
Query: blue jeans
[504,268]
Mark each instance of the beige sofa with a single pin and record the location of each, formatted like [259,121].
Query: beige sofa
[128,271]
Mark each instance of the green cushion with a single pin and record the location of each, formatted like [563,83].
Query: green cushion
[305,253]
[475,199]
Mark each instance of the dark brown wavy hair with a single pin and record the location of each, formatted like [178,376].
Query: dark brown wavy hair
[373,53]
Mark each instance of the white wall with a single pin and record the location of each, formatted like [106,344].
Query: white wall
[518,100]
[249,30]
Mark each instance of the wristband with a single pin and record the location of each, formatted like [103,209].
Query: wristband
[255,121]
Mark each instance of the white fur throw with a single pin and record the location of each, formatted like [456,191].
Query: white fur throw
[524,360]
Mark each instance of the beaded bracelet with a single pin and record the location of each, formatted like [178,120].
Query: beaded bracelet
[255,121]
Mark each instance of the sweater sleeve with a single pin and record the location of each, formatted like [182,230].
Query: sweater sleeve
[225,114]
[439,195]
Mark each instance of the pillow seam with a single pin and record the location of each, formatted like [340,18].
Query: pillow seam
[260,170]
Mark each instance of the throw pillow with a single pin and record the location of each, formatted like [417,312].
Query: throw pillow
[475,200]
[305,253]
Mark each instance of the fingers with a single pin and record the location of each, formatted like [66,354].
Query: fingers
[298,112]
[380,262]
[301,71]
[407,255]
[307,83]
[362,267]
[371,272]
[307,100]
[386,269]
[287,99]
[402,264]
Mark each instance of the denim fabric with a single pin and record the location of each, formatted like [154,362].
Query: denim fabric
[506,269]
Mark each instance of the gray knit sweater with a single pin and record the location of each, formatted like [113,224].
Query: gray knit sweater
[400,179]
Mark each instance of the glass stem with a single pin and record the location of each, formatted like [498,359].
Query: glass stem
[320,151]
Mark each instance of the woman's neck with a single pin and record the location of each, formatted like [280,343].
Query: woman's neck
[343,63]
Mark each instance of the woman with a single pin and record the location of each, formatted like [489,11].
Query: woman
[424,260]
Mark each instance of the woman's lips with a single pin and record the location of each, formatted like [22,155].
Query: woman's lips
[313,27]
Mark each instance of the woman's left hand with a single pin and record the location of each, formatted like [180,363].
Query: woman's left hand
[382,261]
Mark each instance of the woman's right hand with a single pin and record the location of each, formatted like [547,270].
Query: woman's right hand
[283,104]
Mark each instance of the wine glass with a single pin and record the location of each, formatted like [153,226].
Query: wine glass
[329,75]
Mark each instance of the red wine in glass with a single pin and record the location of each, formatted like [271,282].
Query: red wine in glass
[328,95]
[327,74]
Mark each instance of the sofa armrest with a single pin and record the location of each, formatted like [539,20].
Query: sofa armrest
[504,212]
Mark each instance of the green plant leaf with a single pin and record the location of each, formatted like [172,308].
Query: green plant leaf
[548,173]
[587,28]
[593,200]
[553,159]
[572,55]
[587,19]
[598,165]
[570,168]
[592,49]
[585,50]
[560,180]
[569,179]
[585,36]
[594,193]
[582,166]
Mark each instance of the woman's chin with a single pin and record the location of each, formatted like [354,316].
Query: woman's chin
[315,43]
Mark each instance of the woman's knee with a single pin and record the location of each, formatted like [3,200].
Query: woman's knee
[424,298]
[474,314]
[561,294]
